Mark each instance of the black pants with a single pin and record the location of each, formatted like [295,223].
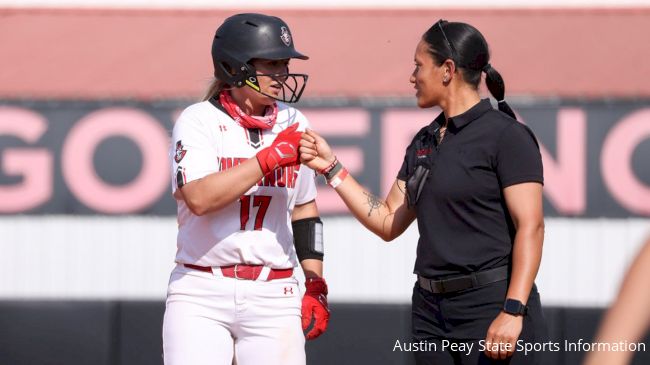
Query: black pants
[452,325]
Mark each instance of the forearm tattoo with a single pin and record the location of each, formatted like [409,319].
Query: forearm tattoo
[373,202]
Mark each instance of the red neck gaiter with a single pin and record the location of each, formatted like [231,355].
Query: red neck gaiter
[248,121]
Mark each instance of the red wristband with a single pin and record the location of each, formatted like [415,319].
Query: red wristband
[329,168]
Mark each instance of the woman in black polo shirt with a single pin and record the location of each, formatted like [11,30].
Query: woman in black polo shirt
[473,179]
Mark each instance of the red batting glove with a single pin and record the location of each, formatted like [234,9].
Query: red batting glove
[282,152]
[314,307]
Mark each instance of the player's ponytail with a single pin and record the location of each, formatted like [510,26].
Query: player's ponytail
[214,89]
[497,88]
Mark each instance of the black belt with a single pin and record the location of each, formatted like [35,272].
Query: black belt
[458,283]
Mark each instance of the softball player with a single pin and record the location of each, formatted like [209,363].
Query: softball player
[246,210]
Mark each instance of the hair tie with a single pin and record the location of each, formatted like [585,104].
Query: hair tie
[501,101]
[486,67]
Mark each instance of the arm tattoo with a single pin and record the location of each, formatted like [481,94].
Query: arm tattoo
[373,203]
[399,186]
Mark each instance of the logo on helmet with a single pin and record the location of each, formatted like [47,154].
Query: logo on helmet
[285,36]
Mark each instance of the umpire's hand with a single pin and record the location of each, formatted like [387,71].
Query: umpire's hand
[314,151]
[502,336]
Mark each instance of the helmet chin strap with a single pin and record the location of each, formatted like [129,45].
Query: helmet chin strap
[289,93]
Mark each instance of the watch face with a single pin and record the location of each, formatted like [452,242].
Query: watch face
[512,306]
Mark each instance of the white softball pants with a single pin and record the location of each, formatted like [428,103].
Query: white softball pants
[212,320]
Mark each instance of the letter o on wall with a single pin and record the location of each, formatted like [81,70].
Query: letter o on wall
[79,172]
[616,162]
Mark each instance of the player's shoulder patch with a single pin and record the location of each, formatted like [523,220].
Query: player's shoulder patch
[180,151]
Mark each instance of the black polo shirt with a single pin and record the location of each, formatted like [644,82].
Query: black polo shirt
[461,212]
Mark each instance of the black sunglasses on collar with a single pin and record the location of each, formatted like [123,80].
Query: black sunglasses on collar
[451,46]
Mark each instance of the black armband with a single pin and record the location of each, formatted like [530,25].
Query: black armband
[308,238]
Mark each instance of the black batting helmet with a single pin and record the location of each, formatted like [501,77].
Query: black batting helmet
[244,37]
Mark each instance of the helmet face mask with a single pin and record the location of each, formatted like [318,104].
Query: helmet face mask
[291,86]
[244,37]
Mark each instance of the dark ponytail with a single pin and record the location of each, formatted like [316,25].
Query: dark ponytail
[497,88]
[466,46]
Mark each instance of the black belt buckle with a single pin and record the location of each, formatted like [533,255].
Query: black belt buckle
[446,285]
[459,283]
[456,284]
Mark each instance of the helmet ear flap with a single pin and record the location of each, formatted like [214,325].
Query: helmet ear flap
[232,71]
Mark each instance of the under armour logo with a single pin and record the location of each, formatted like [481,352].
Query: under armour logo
[288,290]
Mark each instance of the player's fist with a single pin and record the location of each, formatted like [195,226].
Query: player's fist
[314,307]
[314,151]
[282,152]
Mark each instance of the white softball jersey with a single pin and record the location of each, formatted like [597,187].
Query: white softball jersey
[255,229]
